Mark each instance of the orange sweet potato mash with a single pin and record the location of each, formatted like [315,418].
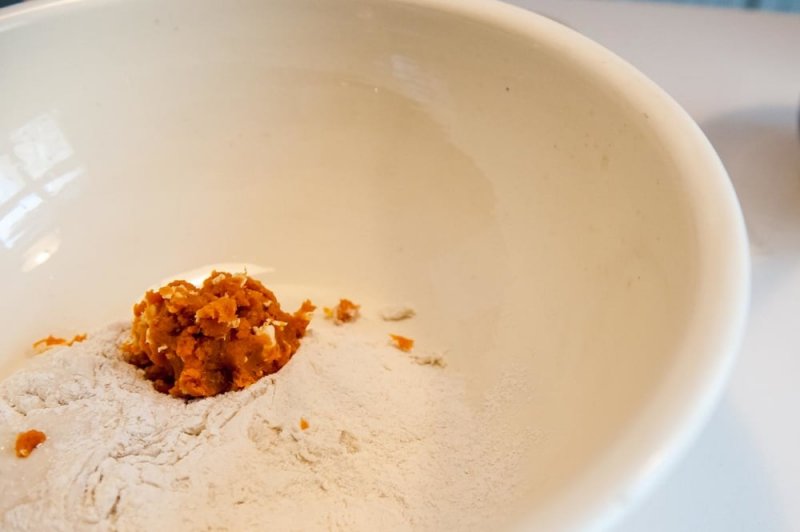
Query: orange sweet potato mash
[28,441]
[224,335]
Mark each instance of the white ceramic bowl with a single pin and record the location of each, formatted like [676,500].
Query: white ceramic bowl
[549,211]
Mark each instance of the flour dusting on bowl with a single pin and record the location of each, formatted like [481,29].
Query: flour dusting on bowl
[351,435]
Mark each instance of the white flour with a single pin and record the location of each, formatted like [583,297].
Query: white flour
[391,445]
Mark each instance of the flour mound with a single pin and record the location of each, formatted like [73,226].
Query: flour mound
[390,445]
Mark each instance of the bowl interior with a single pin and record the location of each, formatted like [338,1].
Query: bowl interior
[527,207]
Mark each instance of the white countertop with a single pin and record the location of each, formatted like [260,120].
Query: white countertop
[738,74]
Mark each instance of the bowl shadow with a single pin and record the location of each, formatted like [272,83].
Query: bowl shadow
[723,471]
[760,148]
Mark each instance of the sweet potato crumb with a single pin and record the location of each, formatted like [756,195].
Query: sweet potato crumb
[50,341]
[28,441]
[402,343]
[346,311]
[303,423]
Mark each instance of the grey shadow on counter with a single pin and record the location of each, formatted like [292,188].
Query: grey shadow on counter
[760,148]
[722,471]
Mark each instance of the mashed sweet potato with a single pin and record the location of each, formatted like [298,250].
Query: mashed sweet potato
[224,335]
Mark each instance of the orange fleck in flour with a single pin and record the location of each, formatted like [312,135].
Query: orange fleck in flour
[28,441]
[346,311]
[51,341]
[402,343]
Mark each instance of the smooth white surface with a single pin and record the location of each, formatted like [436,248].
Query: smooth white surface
[552,213]
[738,75]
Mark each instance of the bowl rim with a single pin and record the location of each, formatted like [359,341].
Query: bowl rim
[680,408]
